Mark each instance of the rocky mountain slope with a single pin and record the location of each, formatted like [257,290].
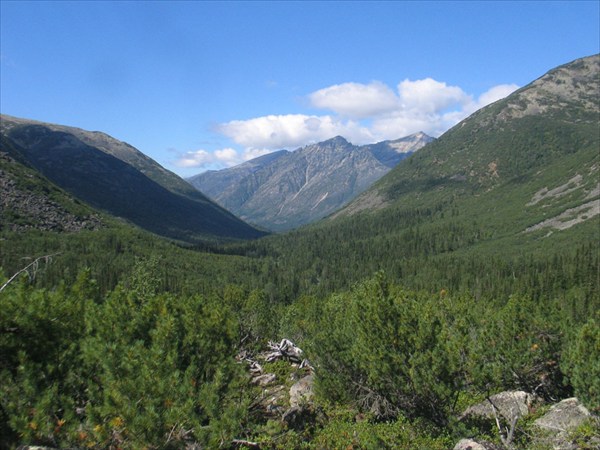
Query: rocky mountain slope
[115,177]
[284,190]
[29,201]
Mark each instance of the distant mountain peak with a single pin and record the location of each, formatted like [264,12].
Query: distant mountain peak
[336,141]
[295,188]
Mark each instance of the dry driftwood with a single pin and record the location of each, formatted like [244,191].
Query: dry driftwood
[506,435]
[285,350]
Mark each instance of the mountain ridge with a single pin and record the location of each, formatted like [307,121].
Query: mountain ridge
[115,177]
[114,147]
[294,188]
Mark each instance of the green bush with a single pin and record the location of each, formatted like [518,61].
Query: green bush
[387,350]
[516,346]
[398,434]
[42,377]
[136,369]
[583,361]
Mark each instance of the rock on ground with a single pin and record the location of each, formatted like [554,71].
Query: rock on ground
[298,417]
[509,404]
[302,391]
[556,425]
[470,444]
[564,416]
[263,380]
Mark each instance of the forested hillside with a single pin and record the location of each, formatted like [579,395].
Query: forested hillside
[471,269]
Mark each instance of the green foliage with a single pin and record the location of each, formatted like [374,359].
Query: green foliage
[147,356]
[583,362]
[390,347]
[362,434]
[586,435]
[42,376]
[137,369]
[391,351]
[111,255]
[517,346]
[300,320]
[466,320]
[259,315]
[164,366]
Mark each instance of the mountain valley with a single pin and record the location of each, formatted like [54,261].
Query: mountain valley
[137,313]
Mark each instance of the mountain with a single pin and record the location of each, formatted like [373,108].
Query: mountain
[224,185]
[284,190]
[115,177]
[469,269]
[527,162]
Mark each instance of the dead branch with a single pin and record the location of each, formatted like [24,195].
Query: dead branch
[254,367]
[306,364]
[244,443]
[284,350]
[506,435]
[30,268]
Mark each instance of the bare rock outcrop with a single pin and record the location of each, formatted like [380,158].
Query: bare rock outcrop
[276,401]
[564,416]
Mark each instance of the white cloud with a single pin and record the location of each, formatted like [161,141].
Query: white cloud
[227,156]
[356,100]
[203,159]
[424,105]
[199,158]
[288,131]
[433,107]
[494,94]
[402,124]
[362,113]
[429,96]
[251,153]
[490,96]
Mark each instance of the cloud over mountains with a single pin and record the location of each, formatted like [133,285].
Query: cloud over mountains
[362,113]
[359,101]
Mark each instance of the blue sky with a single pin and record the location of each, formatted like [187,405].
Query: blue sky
[205,85]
